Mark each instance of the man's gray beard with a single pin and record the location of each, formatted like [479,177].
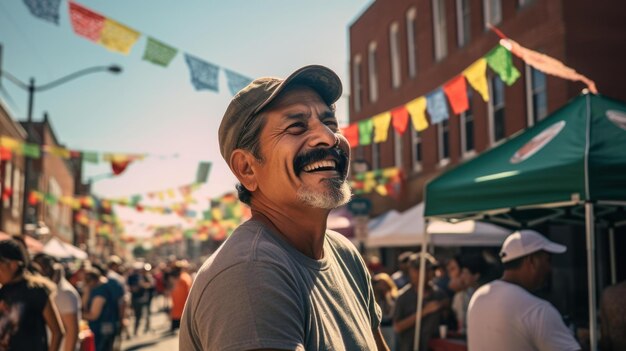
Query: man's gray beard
[338,194]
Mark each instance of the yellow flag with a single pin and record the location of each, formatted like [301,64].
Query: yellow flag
[117,37]
[476,75]
[9,143]
[381,126]
[417,110]
[382,190]
[57,151]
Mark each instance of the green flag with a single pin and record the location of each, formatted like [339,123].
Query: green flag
[202,173]
[501,62]
[31,150]
[365,131]
[159,53]
[91,157]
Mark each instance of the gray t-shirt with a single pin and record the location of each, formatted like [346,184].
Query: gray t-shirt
[257,291]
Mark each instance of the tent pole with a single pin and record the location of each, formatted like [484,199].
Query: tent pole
[612,255]
[591,275]
[420,289]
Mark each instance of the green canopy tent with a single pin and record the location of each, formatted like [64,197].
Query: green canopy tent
[569,167]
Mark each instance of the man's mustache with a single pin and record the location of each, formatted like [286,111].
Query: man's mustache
[320,154]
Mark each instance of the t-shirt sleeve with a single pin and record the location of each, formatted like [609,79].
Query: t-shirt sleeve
[547,330]
[252,305]
[66,302]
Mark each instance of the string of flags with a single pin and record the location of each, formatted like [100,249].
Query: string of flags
[386,182]
[120,38]
[454,92]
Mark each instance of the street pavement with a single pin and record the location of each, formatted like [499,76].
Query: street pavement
[157,338]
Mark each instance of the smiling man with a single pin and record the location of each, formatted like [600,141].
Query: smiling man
[282,281]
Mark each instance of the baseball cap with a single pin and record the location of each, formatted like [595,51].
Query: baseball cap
[262,91]
[524,242]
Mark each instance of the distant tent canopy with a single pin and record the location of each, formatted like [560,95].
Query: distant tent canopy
[407,229]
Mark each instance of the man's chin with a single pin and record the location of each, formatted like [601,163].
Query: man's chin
[338,193]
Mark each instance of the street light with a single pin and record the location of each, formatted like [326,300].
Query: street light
[32,89]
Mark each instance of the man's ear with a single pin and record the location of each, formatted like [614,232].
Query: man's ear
[241,163]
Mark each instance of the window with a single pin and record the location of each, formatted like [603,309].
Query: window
[492,10]
[443,139]
[463,22]
[397,149]
[394,49]
[373,75]
[496,109]
[8,172]
[467,129]
[357,100]
[439,29]
[417,150]
[375,155]
[536,95]
[410,41]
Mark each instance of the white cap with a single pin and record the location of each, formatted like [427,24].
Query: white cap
[525,242]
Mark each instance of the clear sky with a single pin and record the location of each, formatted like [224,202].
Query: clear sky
[155,110]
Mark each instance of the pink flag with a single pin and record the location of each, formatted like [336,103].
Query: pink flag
[85,22]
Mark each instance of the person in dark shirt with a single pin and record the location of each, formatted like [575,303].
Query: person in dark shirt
[102,310]
[26,307]
[434,303]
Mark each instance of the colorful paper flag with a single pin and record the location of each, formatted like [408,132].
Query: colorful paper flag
[381,126]
[236,81]
[57,151]
[547,64]
[351,133]
[31,150]
[118,37]
[476,75]
[85,22]
[456,91]
[203,74]
[417,110]
[437,106]
[91,157]
[119,166]
[47,10]
[5,154]
[202,174]
[10,143]
[501,62]
[365,131]
[158,52]
[400,119]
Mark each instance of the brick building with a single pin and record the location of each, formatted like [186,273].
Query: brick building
[52,175]
[403,49]
[11,177]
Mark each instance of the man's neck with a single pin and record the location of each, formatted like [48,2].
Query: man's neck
[515,277]
[304,230]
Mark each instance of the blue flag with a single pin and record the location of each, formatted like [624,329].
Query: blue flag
[437,106]
[236,81]
[47,10]
[203,74]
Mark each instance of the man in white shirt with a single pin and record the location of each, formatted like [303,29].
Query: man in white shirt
[504,315]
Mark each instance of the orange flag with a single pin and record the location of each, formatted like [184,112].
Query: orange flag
[400,119]
[351,133]
[456,91]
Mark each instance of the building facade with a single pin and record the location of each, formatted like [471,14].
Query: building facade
[403,49]
[11,176]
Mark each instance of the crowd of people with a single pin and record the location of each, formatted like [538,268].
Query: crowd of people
[450,283]
[47,304]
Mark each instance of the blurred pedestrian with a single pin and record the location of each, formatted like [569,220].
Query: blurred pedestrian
[386,295]
[181,285]
[26,304]
[67,300]
[613,318]
[473,268]
[401,276]
[140,283]
[433,305]
[101,309]
[505,315]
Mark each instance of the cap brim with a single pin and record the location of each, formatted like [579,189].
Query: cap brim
[323,80]
[554,248]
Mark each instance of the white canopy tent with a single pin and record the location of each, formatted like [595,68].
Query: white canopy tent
[407,229]
[59,249]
